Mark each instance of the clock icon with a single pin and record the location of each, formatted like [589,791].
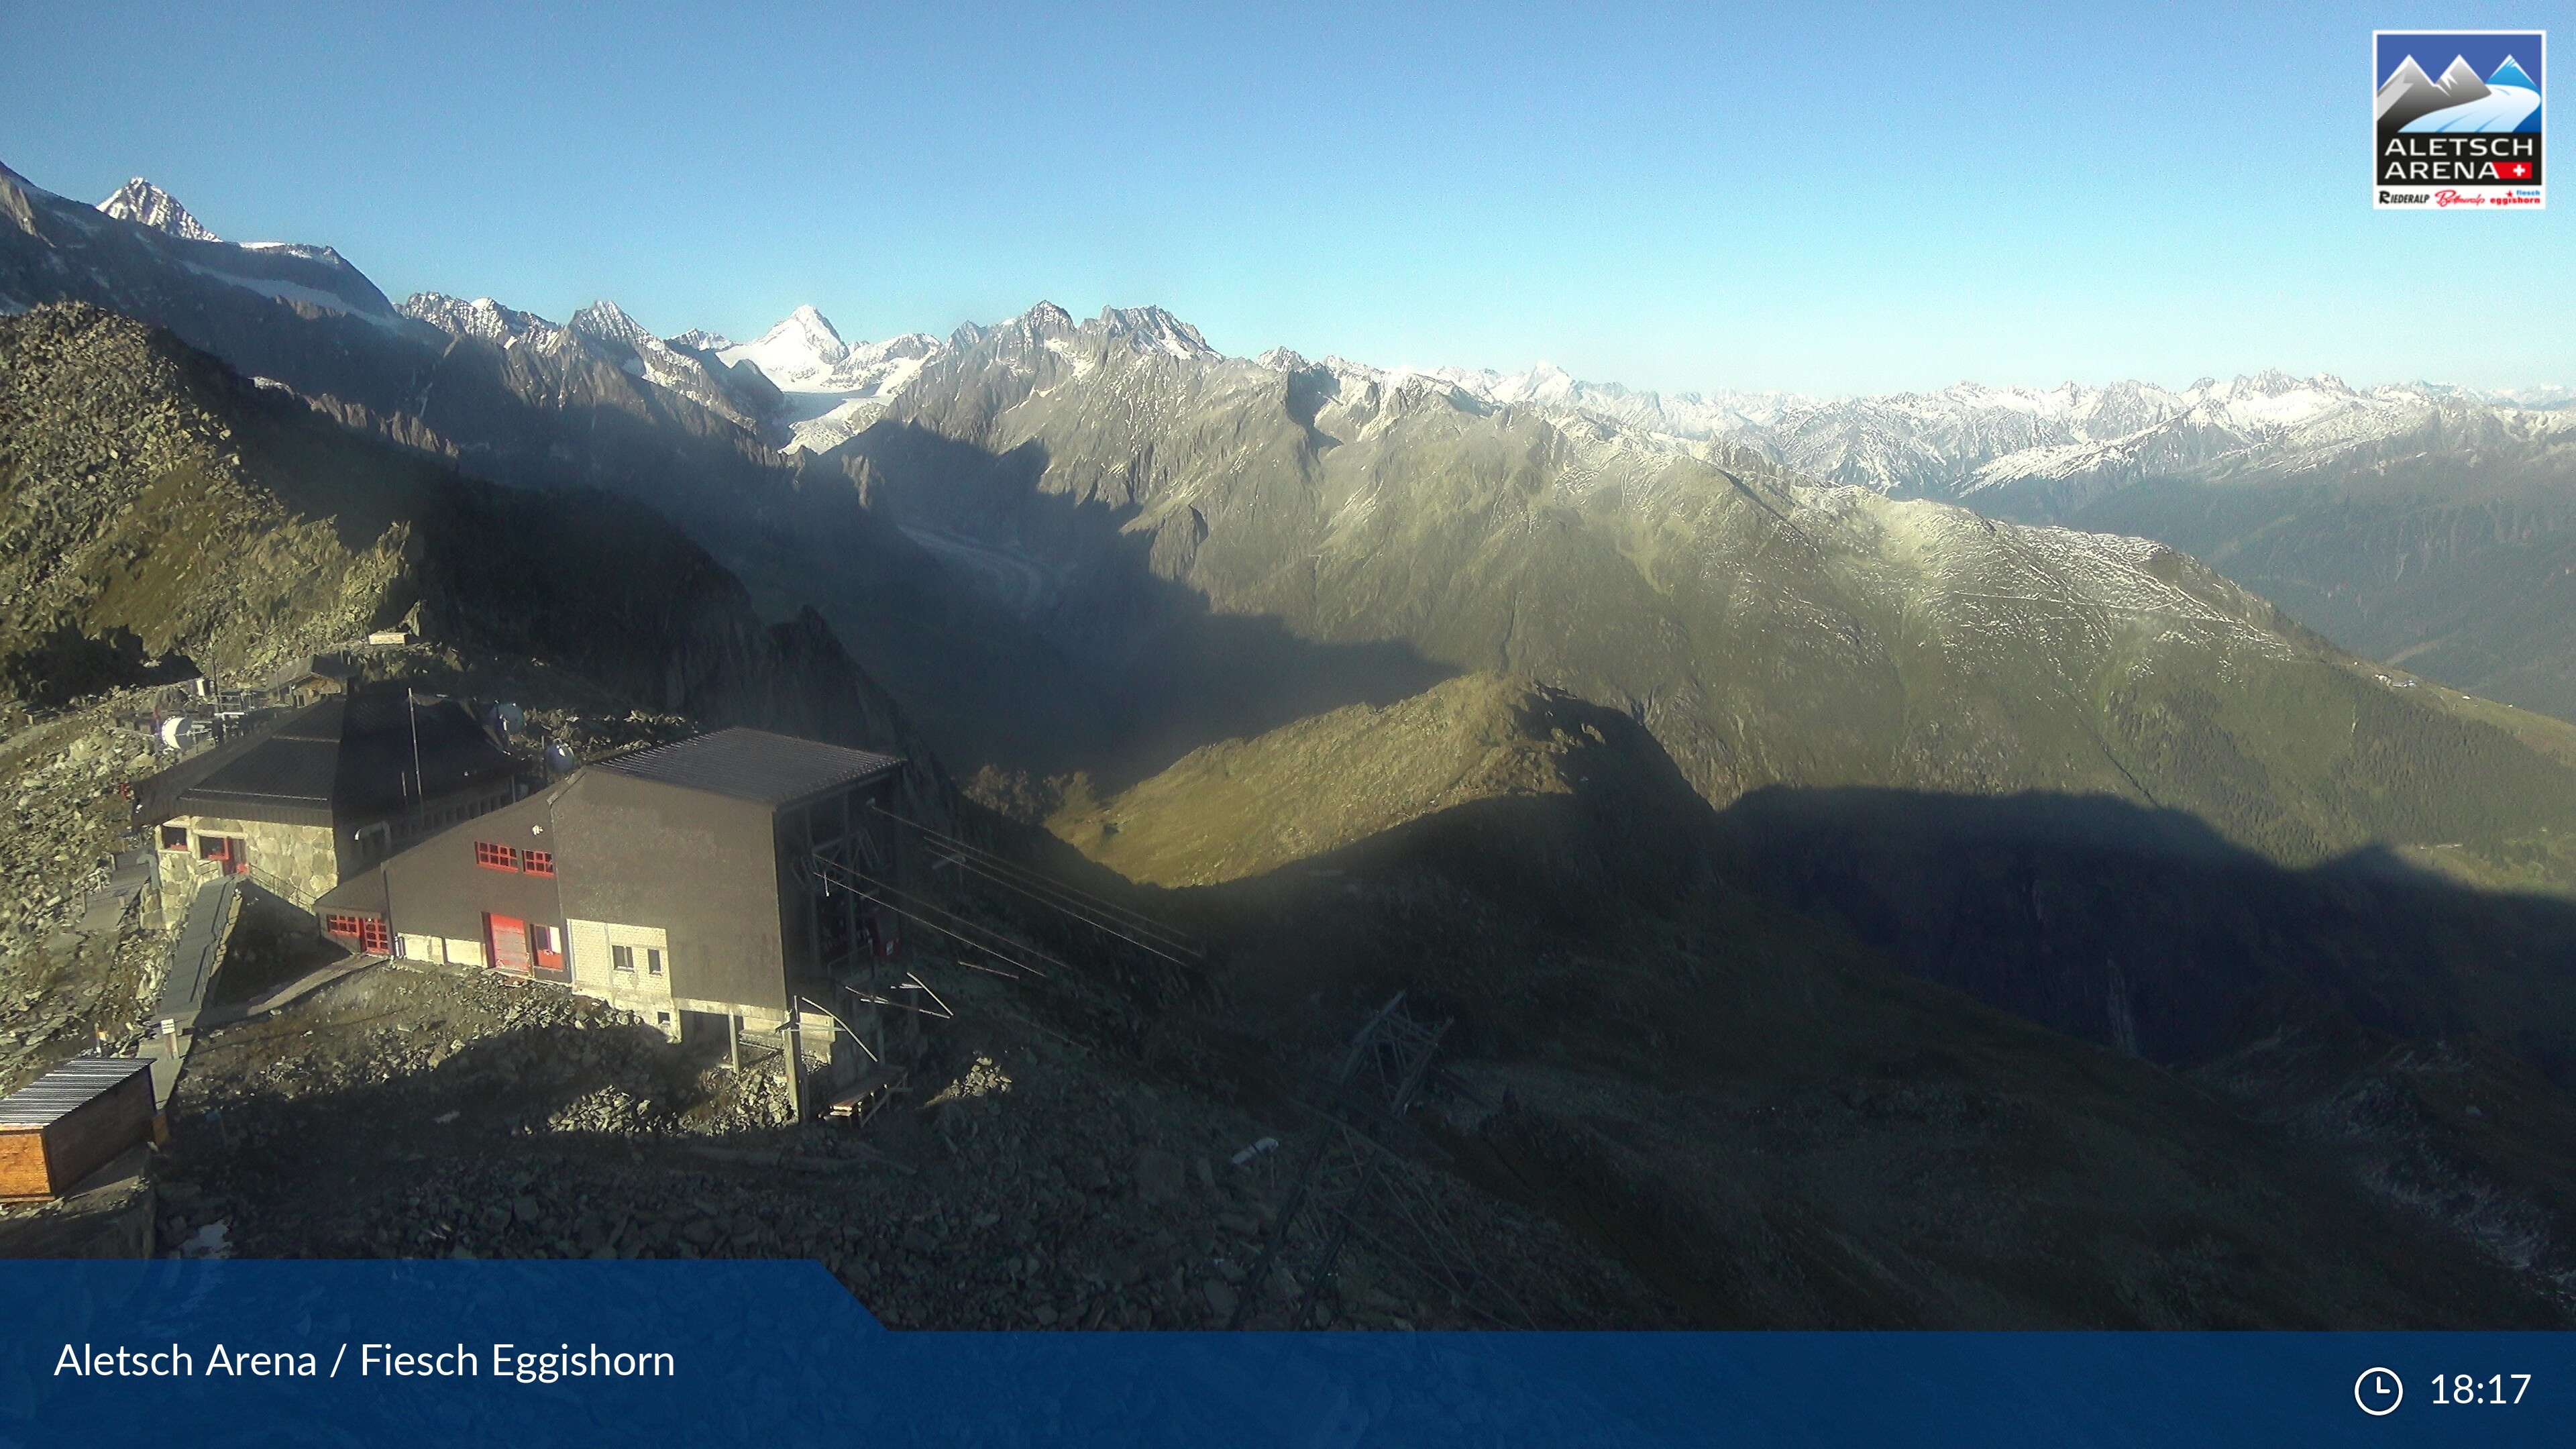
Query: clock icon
[2379,1392]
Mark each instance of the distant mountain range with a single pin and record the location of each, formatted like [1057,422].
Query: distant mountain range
[2428,524]
[2417,521]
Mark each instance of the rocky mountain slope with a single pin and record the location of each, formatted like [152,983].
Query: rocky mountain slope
[2416,522]
[1767,630]
[149,492]
[2430,525]
[1695,1053]
[595,403]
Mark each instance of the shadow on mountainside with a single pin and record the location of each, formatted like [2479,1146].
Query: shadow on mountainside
[1756,1054]
[1165,671]
[1738,1098]
[2143,930]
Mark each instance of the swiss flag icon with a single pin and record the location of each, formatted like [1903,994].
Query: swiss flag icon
[2514,170]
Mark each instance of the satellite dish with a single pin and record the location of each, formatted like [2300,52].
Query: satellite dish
[561,760]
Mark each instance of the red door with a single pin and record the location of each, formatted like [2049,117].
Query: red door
[508,938]
[548,943]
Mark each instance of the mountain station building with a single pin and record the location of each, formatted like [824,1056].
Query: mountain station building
[675,882]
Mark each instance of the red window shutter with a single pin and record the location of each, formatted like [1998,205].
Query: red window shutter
[541,862]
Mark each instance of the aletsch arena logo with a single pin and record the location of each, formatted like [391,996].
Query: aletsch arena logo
[2465,136]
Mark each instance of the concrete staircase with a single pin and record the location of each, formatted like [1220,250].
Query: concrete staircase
[195,955]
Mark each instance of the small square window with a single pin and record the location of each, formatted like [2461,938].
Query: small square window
[174,837]
[541,862]
[496,857]
[622,958]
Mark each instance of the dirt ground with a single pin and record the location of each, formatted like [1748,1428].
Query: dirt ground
[1025,1180]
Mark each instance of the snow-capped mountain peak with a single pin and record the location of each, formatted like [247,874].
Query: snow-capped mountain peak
[144,204]
[809,319]
[699,339]
[798,353]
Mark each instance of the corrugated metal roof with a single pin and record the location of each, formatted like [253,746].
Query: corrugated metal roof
[66,1089]
[749,764]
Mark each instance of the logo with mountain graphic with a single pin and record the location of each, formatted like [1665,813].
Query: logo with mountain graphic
[2466,137]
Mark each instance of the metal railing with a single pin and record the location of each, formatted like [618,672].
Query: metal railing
[278,886]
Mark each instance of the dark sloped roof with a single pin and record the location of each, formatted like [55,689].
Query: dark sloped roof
[286,775]
[362,894]
[66,1089]
[350,755]
[753,765]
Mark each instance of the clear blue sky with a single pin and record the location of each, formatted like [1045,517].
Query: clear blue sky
[1830,199]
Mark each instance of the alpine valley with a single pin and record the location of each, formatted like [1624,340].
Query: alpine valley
[2095,856]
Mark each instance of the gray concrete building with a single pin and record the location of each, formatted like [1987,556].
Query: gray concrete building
[673,882]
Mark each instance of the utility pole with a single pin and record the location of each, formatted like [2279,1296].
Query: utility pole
[795,1063]
[411,707]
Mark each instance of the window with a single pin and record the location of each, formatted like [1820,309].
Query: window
[652,962]
[496,857]
[174,837]
[622,958]
[545,939]
[541,862]
[368,932]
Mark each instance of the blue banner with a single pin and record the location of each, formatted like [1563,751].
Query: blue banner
[774,1353]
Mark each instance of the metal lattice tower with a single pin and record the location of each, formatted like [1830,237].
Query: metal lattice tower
[1352,1183]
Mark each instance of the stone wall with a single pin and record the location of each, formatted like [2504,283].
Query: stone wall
[304,858]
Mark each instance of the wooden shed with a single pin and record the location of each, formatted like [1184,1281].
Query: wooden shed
[71,1122]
